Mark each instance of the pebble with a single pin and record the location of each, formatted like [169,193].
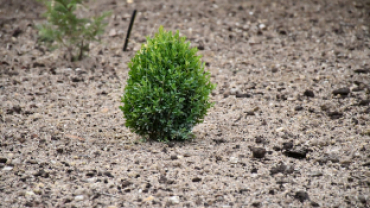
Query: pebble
[149,198]
[186,154]
[174,199]
[280,129]
[7,168]
[234,91]
[233,160]
[309,93]
[296,153]
[345,161]
[341,91]
[301,196]
[315,174]
[258,152]
[3,160]
[79,198]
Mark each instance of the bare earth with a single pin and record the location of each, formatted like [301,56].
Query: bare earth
[290,126]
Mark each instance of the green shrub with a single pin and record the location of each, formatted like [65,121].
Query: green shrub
[67,30]
[167,92]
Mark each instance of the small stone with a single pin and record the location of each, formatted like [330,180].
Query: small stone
[80,71]
[280,129]
[7,168]
[342,91]
[335,115]
[301,196]
[298,108]
[104,110]
[133,174]
[79,198]
[315,204]
[233,160]
[363,199]
[315,174]
[256,204]
[362,71]
[109,174]
[174,157]
[80,191]
[287,145]
[345,161]
[29,193]
[258,152]
[298,153]
[262,26]
[309,93]
[3,160]
[196,179]
[363,103]
[187,154]
[112,32]
[149,198]
[234,91]
[174,199]
[17,109]
[37,190]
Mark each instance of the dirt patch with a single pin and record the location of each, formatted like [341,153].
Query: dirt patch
[290,127]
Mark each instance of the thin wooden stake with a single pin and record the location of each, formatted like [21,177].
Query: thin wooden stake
[129,30]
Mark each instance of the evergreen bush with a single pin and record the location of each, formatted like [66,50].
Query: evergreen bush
[167,92]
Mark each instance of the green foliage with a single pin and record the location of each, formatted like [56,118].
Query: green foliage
[167,92]
[67,30]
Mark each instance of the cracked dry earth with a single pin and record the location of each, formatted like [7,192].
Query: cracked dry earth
[290,126]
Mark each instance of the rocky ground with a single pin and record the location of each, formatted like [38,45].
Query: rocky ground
[290,126]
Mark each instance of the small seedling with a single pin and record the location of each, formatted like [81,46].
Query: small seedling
[167,92]
[67,30]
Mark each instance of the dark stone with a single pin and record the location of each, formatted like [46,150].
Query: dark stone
[162,179]
[301,196]
[254,170]
[17,109]
[3,160]
[364,103]
[109,174]
[342,91]
[77,79]
[243,95]
[256,204]
[196,179]
[125,183]
[309,93]
[219,141]
[258,152]
[174,157]
[60,150]
[362,71]
[287,145]
[367,110]
[201,47]
[335,115]
[36,64]
[298,108]
[298,154]
[17,32]
[276,148]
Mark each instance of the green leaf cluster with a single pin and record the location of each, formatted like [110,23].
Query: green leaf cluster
[67,30]
[167,92]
